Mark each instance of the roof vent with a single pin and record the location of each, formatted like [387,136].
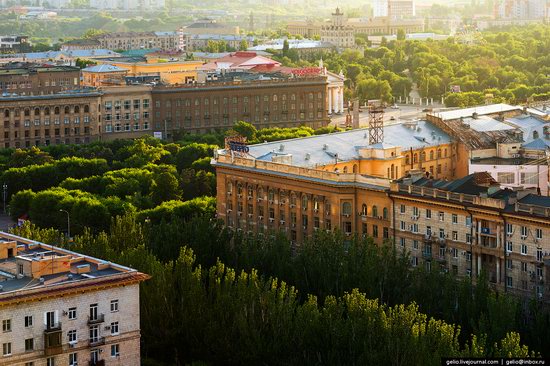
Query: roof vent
[70,276]
[282,147]
[365,135]
[325,147]
[41,279]
[308,156]
[474,115]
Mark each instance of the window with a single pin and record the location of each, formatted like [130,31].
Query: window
[6,325]
[524,266]
[114,306]
[29,363]
[509,246]
[403,225]
[115,350]
[524,232]
[73,359]
[93,312]
[346,208]
[375,231]
[114,328]
[374,211]
[72,313]
[416,212]
[71,334]
[94,333]
[509,229]
[538,234]
[29,344]
[428,231]
[509,264]
[455,219]
[441,216]
[523,249]
[505,178]
[468,221]
[402,242]
[415,244]
[385,213]
[6,349]
[414,261]
[428,213]
[529,178]
[455,235]
[509,281]
[28,321]
[442,233]
[402,209]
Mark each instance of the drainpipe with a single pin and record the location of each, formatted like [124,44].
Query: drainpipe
[505,264]
[393,215]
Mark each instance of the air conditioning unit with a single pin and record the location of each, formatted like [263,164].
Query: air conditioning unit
[239,213]
[259,200]
[282,222]
[107,327]
[229,211]
[271,219]
[240,195]
[507,254]
[540,295]
[292,205]
[260,218]
[271,202]
[282,203]
[249,198]
[316,210]
[229,193]
[249,215]
[414,218]
[346,215]
[72,344]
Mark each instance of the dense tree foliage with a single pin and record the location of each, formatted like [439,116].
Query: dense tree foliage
[511,65]
[206,301]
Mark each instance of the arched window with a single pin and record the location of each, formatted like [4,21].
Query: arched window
[407,159]
[77,109]
[423,156]
[56,110]
[47,111]
[229,187]
[293,199]
[67,110]
[415,158]
[6,113]
[250,191]
[364,210]
[392,171]
[260,193]
[37,111]
[316,204]
[439,153]
[27,112]
[431,154]
[239,188]
[271,195]
[304,202]
[86,109]
[328,207]
[374,211]
[346,208]
[345,170]
[354,168]
[535,134]
[385,213]
[445,152]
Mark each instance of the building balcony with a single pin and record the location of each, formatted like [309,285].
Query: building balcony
[95,342]
[52,340]
[441,259]
[100,318]
[96,363]
[426,255]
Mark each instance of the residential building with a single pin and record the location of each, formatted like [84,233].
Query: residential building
[14,44]
[470,225]
[265,100]
[521,9]
[137,40]
[142,5]
[399,9]
[304,47]
[59,307]
[63,118]
[59,58]
[81,44]
[508,142]
[103,75]
[126,112]
[200,41]
[34,79]
[240,61]
[339,32]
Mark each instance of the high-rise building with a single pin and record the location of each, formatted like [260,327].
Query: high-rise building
[58,307]
[339,33]
[396,9]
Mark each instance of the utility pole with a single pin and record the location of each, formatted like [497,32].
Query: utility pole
[68,223]
[5,194]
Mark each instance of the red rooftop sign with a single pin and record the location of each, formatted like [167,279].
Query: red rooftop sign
[304,71]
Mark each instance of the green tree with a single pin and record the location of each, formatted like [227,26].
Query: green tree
[165,187]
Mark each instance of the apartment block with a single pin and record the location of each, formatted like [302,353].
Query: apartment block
[21,78]
[59,307]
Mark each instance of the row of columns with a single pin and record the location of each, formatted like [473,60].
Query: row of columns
[335,99]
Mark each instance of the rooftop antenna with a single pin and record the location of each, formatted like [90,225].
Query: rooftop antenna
[376,121]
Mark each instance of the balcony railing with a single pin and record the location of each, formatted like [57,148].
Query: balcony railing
[99,318]
[98,341]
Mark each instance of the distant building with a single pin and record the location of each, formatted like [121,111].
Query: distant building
[209,26]
[239,61]
[141,5]
[61,307]
[139,40]
[103,75]
[81,44]
[302,46]
[14,44]
[370,26]
[67,58]
[339,32]
[37,79]
[395,9]
[200,41]
[522,9]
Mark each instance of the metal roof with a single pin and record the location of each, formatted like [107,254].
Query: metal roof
[322,149]
[480,110]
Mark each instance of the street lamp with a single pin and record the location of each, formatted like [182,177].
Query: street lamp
[5,194]
[68,223]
